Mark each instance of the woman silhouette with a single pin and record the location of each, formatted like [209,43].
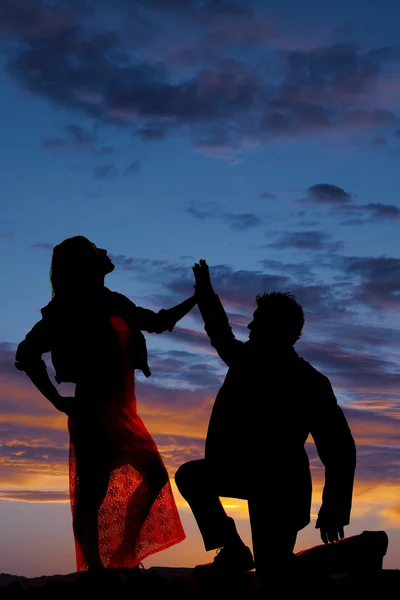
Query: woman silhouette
[121,500]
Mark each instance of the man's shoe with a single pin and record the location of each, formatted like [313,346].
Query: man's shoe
[228,561]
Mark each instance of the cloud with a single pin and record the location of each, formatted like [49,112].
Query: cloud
[32,20]
[242,222]
[6,235]
[76,137]
[34,496]
[204,210]
[154,80]
[238,289]
[326,193]
[105,172]
[358,283]
[379,210]
[185,370]
[194,339]
[353,371]
[142,266]
[212,210]
[53,143]
[365,214]
[294,270]
[172,281]
[151,134]
[81,136]
[105,150]
[133,168]
[360,359]
[46,246]
[306,240]
[267,196]
[34,436]
[376,281]
[379,140]
[340,203]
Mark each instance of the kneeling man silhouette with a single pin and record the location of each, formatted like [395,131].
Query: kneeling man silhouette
[270,402]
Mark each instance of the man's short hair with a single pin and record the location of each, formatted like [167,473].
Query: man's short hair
[287,313]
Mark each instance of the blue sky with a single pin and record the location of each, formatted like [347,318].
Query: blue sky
[263,139]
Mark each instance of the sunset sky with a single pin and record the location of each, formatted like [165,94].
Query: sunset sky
[261,136]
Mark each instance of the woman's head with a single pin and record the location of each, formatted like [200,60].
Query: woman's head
[78,267]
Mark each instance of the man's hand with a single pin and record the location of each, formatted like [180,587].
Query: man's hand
[329,523]
[202,276]
[330,534]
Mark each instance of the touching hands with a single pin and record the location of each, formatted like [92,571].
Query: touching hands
[202,276]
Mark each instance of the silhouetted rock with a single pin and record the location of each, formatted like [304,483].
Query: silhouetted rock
[162,582]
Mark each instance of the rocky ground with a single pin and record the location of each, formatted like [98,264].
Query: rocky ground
[179,584]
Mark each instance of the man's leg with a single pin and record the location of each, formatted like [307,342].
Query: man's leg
[273,545]
[198,487]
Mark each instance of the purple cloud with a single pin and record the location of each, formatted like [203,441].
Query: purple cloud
[267,196]
[212,210]
[151,134]
[46,246]
[326,193]
[379,210]
[376,281]
[194,85]
[306,240]
[242,222]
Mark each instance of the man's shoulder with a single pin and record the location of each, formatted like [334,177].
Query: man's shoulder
[310,371]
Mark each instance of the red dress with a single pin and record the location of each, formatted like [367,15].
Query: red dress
[138,515]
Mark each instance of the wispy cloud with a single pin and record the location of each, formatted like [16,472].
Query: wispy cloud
[212,210]
[107,171]
[6,235]
[134,168]
[267,196]
[193,83]
[34,496]
[46,246]
[306,240]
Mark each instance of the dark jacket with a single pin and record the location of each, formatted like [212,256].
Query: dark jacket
[44,337]
[268,406]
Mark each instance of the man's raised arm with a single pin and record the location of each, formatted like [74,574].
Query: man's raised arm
[216,322]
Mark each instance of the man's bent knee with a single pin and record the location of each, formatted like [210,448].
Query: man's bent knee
[189,475]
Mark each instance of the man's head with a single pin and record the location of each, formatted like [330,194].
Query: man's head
[277,320]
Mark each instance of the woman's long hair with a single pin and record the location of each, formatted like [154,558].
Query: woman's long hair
[75,269]
[78,314]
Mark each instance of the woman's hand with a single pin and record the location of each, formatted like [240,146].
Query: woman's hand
[202,276]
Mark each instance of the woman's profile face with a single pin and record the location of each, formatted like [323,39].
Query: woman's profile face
[105,262]
[85,252]
[78,256]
